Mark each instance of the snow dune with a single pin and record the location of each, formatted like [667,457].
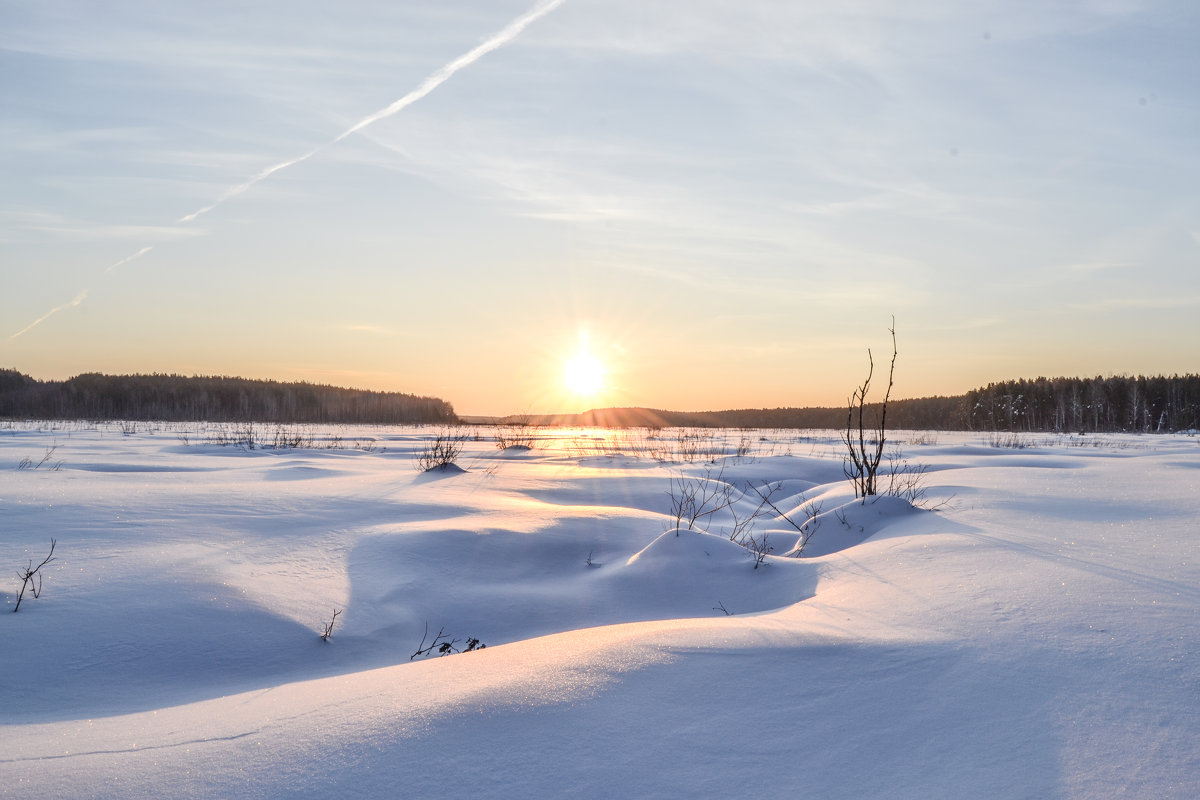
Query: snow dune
[1036,637]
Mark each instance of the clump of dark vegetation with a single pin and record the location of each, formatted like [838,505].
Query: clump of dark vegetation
[517,434]
[443,645]
[441,450]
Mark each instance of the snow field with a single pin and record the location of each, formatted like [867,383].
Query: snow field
[1033,638]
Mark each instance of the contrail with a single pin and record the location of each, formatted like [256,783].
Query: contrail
[127,259]
[79,298]
[496,41]
[435,80]
[241,187]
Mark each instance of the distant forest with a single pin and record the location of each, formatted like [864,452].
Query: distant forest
[213,399]
[1071,405]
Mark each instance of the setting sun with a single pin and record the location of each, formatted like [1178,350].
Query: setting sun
[583,374]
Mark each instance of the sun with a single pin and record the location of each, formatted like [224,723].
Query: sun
[583,374]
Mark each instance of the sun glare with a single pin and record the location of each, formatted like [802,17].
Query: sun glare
[583,375]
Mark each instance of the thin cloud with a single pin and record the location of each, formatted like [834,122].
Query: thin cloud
[79,298]
[494,42]
[498,40]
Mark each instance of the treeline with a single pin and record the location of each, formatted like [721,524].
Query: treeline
[213,399]
[928,413]
[1156,404]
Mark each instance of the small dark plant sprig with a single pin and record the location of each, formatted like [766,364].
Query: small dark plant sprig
[28,463]
[443,645]
[31,577]
[840,513]
[328,630]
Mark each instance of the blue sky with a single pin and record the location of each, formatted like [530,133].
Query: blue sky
[727,202]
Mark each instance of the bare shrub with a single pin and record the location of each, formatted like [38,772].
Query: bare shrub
[520,434]
[441,450]
[806,529]
[327,632]
[31,577]
[695,499]
[45,461]
[861,465]
[743,524]
[905,480]
[758,547]
[1011,441]
[443,645]
[287,437]
[743,448]
[923,438]
[247,437]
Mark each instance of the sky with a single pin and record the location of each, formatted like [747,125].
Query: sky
[719,204]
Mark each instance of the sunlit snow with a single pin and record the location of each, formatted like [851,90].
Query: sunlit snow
[1030,631]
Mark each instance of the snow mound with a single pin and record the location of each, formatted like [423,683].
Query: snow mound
[689,549]
[443,471]
[852,523]
[298,472]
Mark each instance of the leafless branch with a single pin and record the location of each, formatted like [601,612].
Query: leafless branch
[863,455]
[31,577]
[328,632]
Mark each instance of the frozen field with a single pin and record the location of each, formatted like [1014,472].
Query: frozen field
[1035,636]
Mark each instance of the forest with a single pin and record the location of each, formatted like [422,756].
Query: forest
[1156,404]
[1141,404]
[208,398]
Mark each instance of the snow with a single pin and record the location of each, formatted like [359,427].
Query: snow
[1033,637]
